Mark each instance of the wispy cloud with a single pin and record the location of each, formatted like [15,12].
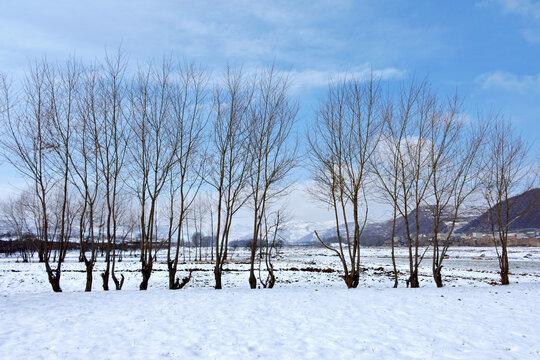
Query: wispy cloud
[205,29]
[309,78]
[509,81]
[532,36]
[308,36]
[527,8]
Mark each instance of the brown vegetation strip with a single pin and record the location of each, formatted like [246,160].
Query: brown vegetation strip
[312,269]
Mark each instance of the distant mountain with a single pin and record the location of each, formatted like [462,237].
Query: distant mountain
[374,234]
[525,208]
[295,232]
[377,233]
[425,222]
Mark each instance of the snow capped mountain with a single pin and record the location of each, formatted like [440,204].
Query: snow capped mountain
[374,233]
[295,231]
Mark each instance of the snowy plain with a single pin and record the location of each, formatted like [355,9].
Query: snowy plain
[308,315]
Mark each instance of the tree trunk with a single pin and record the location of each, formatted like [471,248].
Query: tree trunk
[89,268]
[394,264]
[504,267]
[394,245]
[438,277]
[172,274]
[41,255]
[504,277]
[174,282]
[272,280]
[118,283]
[55,283]
[146,272]
[54,280]
[176,285]
[413,280]
[352,279]
[105,277]
[252,279]
[356,279]
[217,275]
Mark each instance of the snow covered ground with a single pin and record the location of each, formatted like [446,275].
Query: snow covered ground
[464,267]
[309,315]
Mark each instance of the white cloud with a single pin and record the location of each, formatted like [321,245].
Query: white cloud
[509,81]
[310,78]
[207,30]
[532,36]
[527,8]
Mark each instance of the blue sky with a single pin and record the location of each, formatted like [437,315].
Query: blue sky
[488,50]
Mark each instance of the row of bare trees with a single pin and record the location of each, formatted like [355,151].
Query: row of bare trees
[422,154]
[106,148]
[253,156]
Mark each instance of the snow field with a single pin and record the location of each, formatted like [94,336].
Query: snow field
[465,267]
[309,315]
[365,323]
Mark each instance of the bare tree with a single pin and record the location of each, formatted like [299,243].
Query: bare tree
[199,211]
[109,129]
[210,209]
[33,211]
[270,241]
[415,166]
[15,212]
[128,219]
[417,105]
[272,152]
[454,166]
[505,176]
[188,100]
[64,87]
[153,152]
[386,165]
[84,169]
[345,136]
[37,143]
[229,165]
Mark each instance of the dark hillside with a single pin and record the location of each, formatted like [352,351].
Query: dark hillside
[525,207]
